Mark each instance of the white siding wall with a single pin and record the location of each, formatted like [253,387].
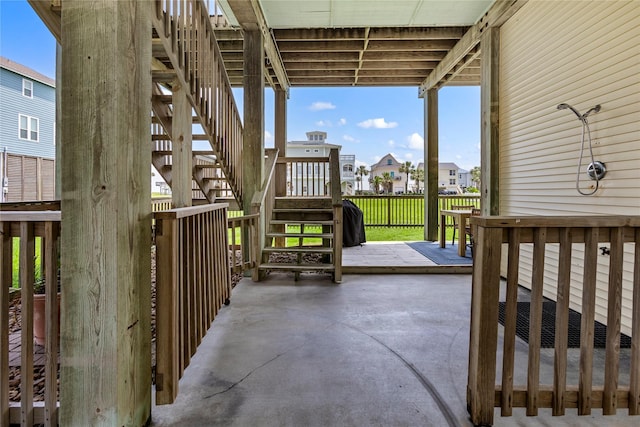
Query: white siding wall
[581,53]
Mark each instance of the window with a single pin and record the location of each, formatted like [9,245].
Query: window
[389,162]
[452,181]
[452,173]
[27,88]
[316,150]
[347,168]
[29,128]
[307,151]
[392,174]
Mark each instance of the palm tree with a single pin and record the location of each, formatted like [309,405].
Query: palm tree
[377,180]
[418,176]
[387,180]
[362,171]
[406,168]
[475,176]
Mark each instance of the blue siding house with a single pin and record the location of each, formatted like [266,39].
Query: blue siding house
[27,133]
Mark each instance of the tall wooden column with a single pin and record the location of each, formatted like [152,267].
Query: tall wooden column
[489,135]
[181,168]
[58,167]
[281,140]
[431,165]
[253,135]
[106,213]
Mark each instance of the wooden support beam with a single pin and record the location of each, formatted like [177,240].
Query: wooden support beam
[431,166]
[181,170]
[280,136]
[253,135]
[250,17]
[499,12]
[105,374]
[489,134]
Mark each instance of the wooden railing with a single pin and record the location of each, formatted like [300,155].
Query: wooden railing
[570,235]
[406,210]
[243,228]
[186,33]
[263,202]
[160,204]
[38,232]
[336,201]
[308,176]
[193,281]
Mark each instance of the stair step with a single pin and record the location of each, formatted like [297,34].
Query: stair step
[302,210]
[195,153]
[304,250]
[304,235]
[301,221]
[297,267]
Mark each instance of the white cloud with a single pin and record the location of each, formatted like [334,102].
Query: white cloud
[408,156]
[416,142]
[458,157]
[376,159]
[359,163]
[342,121]
[322,123]
[319,106]
[268,137]
[391,143]
[349,138]
[379,123]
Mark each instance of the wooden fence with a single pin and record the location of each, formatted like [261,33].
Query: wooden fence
[243,228]
[406,210]
[37,232]
[568,232]
[193,281]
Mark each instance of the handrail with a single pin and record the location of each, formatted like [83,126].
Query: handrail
[262,203]
[569,237]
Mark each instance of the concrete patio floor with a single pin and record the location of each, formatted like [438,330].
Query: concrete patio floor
[376,350]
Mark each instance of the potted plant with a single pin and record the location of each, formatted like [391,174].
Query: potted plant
[39,316]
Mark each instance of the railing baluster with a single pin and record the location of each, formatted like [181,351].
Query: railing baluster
[50,252]
[587,320]
[27,278]
[535,316]
[562,322]
[6,258]
[614,297]
[511,311]
[634,380]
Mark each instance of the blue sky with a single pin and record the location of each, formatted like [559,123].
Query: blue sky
[367,122]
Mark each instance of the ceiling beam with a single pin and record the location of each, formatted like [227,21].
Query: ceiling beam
[250,17]
[499,12]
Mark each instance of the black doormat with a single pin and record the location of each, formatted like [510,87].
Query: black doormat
[549,326]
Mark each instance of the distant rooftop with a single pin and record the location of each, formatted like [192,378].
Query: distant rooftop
[25,71]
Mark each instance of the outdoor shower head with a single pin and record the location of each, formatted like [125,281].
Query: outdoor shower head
[564,106]
[592,110]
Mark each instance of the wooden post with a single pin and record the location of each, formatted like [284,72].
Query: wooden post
[58,172]
[281,144]
[106,213]
[489,135]
[431,166]
[252,144]
[181,170]
[281,140]
[484,326]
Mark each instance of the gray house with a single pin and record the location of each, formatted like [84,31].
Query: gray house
[27,133]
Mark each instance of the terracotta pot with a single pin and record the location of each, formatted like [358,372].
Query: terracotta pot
[39,319]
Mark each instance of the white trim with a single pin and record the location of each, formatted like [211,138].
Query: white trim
[28,129]
[27,85]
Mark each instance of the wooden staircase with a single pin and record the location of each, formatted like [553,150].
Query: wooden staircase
[308,223]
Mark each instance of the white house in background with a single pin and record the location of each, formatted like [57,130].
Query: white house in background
[451,177]
[464,178]
[316,145]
